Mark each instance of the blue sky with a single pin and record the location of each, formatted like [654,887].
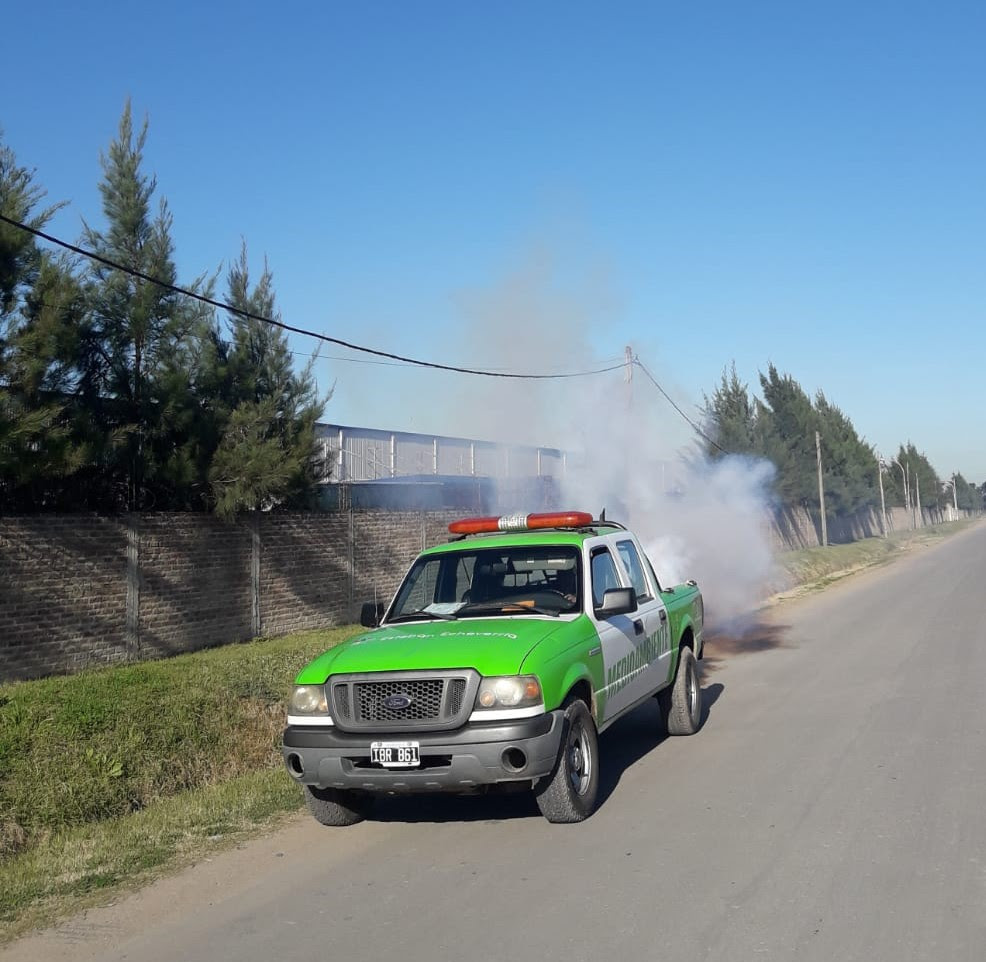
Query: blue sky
[800,184]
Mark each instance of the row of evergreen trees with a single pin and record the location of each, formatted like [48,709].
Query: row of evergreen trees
[780,426]
[119,394]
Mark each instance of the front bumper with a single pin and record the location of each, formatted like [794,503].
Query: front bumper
[477,754]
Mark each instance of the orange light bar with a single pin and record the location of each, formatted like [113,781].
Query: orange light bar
[522,522]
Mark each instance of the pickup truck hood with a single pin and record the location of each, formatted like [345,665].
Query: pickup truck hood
[493,646]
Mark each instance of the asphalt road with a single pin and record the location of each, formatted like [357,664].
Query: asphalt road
[833,807]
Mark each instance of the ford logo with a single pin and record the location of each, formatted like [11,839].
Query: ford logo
[397,702]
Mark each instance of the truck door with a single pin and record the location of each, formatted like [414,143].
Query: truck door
[622,637]
[651,614]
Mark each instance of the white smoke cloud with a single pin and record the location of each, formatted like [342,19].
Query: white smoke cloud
[698,518]
[715,531]
[628,450]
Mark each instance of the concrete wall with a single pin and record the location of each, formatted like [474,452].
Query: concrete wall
[792,528]
[63,594]
[82,590]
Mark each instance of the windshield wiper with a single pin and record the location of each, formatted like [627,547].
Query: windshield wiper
[424,613]
[509,608]
[554,612]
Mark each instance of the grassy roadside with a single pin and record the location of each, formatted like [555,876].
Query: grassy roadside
[86,865]
[111,778]
[813,569]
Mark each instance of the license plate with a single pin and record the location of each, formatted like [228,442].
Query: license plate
[395,754]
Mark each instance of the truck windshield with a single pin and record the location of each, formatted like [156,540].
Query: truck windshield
[477,582]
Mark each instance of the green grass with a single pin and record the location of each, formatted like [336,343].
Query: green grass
[83,865]
[110,776]
[84,748]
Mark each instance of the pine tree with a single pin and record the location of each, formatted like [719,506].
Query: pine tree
[912,469]
[39,306]
[849,465]
[968,498]
[20,259]
[146,335]
[730,417]
[786,434]
[923,478]
[266,456]
[48,382]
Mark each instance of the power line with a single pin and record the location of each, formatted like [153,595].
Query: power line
[351,360]
[310,355]
[222,305]
[365,360]
[325,338]
[694,426]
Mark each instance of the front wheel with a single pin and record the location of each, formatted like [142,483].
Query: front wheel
[681,704]
[569,793]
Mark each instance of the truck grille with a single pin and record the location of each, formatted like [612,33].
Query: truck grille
[434,700]
[426,700]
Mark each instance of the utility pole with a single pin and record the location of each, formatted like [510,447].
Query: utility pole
[903,481]
[821,489]
[883,504]
[628,375]
[918,516]
[955,497]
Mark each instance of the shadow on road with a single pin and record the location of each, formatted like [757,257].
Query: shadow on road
[757,637]
[636,734]
[493,808]
[622,746]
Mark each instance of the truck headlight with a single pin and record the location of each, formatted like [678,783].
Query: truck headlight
[509,691]
[308,700]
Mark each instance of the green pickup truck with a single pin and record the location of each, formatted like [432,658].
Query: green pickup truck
[500,659]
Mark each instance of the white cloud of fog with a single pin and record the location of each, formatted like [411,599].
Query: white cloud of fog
[697,518]
[629,451]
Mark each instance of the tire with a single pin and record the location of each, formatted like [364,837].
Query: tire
[569,793]
[333,806]
[681,704]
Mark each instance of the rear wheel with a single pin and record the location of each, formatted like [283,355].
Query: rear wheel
[569,793]
[333,806]
[681,704]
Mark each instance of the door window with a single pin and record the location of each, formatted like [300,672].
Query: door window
[631,561]
[604,575]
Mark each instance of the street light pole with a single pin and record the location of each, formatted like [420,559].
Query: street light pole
[918,514]
[955,498]
[904,479]
[821,489]
[880,465]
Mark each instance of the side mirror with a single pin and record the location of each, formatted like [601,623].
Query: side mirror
[617,601]
[371,613]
